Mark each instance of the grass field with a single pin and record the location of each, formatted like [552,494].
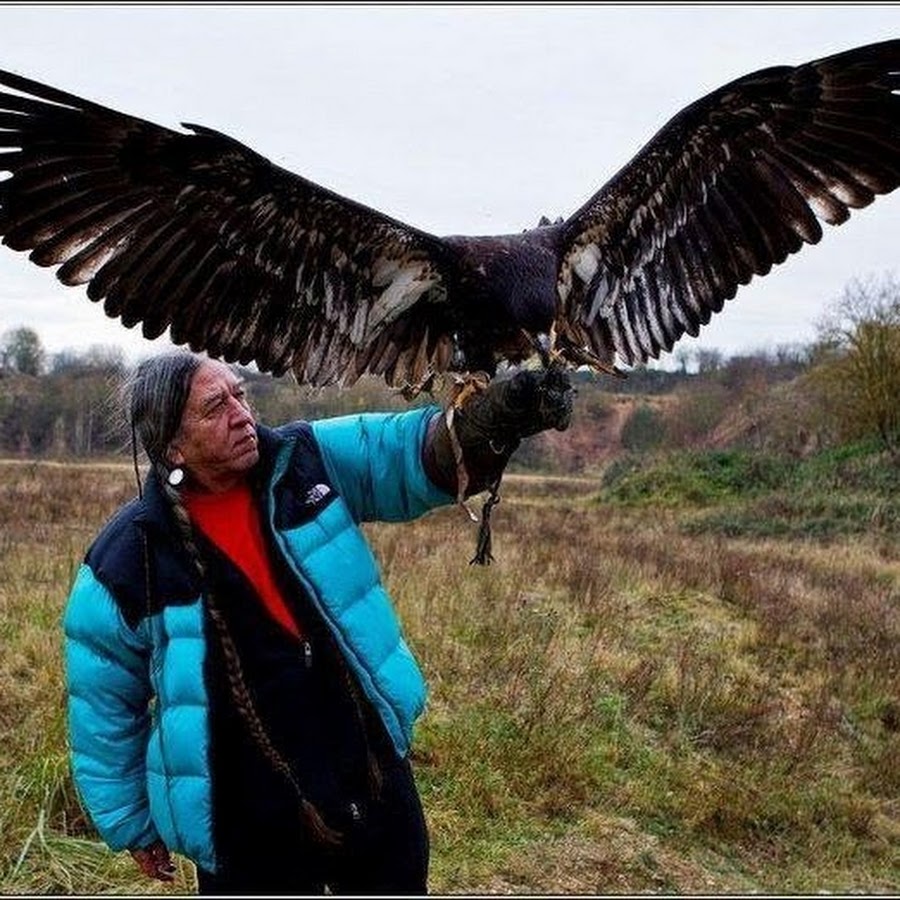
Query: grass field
[635,697]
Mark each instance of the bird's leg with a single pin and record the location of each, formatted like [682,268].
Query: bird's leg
[579,355]
[467,386]
[545,345]
[542,344]
[410,391]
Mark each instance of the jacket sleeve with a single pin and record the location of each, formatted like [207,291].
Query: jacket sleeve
[108,686]
[375,460]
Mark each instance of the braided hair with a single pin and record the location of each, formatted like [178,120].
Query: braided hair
[155,397]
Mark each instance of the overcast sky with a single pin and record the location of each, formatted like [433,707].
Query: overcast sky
[456,119]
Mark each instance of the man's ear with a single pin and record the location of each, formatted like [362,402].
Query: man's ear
[174,456]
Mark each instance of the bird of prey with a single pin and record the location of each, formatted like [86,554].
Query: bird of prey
[192,231]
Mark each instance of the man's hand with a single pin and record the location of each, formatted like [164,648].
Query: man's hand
[154,861]
[530,402]
[490,424]
[512,408]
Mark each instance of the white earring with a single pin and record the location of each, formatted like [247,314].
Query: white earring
[176,476]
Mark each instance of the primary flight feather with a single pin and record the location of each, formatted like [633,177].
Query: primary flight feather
[194,232]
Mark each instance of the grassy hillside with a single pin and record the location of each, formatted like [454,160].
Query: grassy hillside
[679,678]
[835,494]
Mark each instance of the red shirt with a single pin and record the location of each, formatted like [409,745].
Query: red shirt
[231,521]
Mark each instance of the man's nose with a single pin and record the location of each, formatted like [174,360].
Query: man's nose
[240,414]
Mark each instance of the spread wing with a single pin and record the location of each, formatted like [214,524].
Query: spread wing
[195,232]
[729,187]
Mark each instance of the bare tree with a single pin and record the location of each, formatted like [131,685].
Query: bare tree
[858,368]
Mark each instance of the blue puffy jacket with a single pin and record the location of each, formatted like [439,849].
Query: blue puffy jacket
[135,628]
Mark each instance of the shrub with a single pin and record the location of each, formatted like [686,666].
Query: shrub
[644,430]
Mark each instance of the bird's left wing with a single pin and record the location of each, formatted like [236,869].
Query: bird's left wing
[730,186]
[198,233]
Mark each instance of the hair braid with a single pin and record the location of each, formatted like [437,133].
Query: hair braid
[240,691]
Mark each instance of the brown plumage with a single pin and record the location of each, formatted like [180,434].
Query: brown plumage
[199,234]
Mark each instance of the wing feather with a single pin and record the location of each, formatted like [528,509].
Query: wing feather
[56,245]
[712,245]
[731,186]
[194,232]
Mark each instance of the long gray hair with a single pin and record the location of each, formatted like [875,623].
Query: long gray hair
[155,395]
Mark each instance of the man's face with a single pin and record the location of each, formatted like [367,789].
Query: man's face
[216,441]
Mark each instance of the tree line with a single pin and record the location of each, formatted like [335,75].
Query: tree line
[843,386]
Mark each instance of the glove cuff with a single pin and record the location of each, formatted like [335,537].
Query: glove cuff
[459,459]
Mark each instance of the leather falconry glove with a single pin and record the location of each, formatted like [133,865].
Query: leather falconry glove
[469,446]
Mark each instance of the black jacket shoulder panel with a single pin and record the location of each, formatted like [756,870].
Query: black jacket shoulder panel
[138,561]
[305,488]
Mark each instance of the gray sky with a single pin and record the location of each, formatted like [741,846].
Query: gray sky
[456,119]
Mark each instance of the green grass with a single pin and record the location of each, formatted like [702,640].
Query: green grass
[622,703]
[692,477]
[838,493]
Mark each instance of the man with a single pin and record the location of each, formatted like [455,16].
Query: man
[240,690]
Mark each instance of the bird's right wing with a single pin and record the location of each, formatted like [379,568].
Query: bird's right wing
[733,184]
[198,233]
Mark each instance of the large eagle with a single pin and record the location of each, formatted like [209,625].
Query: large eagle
[194,232]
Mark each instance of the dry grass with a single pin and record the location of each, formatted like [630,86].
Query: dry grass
[615,706]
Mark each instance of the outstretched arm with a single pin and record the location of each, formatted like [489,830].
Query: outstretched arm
[396,466]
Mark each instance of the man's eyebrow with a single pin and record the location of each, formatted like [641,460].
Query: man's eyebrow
[216,395]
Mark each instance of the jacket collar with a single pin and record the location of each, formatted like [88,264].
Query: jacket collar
[156,511]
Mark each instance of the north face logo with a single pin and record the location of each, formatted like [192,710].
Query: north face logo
[316,494]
